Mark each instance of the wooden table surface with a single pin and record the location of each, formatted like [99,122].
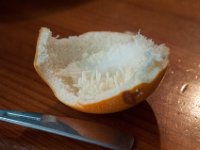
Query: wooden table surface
[169,119]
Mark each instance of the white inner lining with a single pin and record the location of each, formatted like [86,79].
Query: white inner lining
[99,72]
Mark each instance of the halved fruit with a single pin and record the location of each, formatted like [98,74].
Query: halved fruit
[100,72]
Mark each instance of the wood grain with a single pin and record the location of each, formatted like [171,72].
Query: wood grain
[169,119]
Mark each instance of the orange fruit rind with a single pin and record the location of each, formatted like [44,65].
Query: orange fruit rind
[100,72]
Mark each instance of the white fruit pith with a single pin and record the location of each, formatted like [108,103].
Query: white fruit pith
[98,65]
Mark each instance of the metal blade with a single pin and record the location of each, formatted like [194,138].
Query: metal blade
[78,129]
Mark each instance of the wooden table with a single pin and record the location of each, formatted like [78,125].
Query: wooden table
[168,120]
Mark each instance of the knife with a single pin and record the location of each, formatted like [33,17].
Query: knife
[78,129]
